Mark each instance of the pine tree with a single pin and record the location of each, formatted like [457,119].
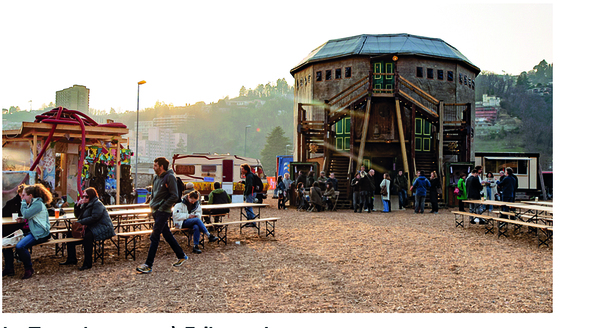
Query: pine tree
[275,146]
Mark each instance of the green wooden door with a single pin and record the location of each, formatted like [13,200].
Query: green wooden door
[342,134]
[381,81]
[422,135]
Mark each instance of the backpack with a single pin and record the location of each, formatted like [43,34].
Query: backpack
[257,183]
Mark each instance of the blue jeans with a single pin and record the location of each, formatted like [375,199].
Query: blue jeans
[419,204]
[249,212]
[22,249]
[161,227]
[489,197]
[402,198]
[196,225]
[386,206]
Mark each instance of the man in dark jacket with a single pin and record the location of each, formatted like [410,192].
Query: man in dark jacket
[474,188]
[219,196]
[421,185]
[333,180]
[401,184]
[14,204]
[248,190]
[365,190]
[509,188]
[164,196]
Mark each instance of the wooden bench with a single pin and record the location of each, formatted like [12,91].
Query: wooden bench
[132,237]
[460,215]
[221,227]
[60,244]
[546,230]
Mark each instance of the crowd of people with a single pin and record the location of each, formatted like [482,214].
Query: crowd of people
[170,198]
[476,186]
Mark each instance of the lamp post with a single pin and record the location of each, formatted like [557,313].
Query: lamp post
[286,149]
[137,131]
[246,137]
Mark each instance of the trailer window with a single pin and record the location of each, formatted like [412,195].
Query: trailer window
[497,165]
[185,169]
[209,168]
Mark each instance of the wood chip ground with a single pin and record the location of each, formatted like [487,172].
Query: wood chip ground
[327,262]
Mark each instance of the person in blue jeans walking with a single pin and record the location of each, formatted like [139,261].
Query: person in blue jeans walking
[248,190]
[420,186]
[34,210]
[164,196]
[188,214]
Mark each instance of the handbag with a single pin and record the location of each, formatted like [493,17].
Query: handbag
[456,191]
[384,190]
[78,230]
[12,239]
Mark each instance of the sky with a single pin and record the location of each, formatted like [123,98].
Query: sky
[191,51]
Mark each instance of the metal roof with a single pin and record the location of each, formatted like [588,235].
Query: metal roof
[380,44]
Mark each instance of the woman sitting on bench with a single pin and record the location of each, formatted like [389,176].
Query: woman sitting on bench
[187,214]
[34,211]
[316,197]
[90,212]
[328,194]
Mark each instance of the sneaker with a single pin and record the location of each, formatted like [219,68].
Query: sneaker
[180,261]
[196,249]
[212,238]
[144,268]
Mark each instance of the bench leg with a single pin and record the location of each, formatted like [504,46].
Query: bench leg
[502,229]
[270,228]
[489,227]
[99,251]
[221,233]
[457,222]
[129,241]
[547,234]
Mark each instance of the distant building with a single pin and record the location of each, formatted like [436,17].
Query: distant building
[244,101]
[486,111]
[76,97]
[172,122]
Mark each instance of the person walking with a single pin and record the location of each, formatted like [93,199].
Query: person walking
[420,186]
[433,192]
[371,197]
[164,196]
[401,184]
[90,212]
[385,185]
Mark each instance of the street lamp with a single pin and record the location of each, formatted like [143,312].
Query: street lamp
[286,149]
[137,131]
[246,137]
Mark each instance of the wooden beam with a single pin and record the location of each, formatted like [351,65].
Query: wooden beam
[417,90]
[118,159]
[363,138]
[401,135]
[427,111]
[441,145]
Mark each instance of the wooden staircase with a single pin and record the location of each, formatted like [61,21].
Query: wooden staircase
[338,164]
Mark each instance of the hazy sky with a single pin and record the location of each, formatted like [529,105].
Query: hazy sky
[189,51]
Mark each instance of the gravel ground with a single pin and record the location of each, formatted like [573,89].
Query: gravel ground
[331,262]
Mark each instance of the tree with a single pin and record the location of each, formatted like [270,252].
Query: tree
[243,91]
[275,145]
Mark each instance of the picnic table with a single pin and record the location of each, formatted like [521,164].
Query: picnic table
[535,217]
[111,207]
[539,202]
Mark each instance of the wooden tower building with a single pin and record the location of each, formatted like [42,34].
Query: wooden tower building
[389,101]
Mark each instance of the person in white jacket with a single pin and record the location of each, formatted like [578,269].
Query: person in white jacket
[188,214]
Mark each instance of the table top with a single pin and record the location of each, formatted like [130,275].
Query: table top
[513,205]
[539,202]
[112,207]
[8,220]
[231,205]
